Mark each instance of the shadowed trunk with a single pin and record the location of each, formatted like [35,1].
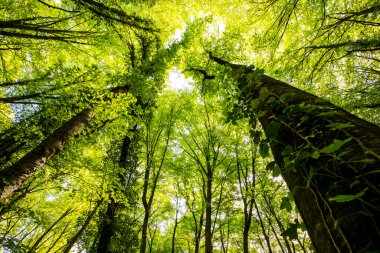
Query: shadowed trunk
[108,222]
[328,157]
[208,200]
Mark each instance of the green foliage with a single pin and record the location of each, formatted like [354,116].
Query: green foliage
[335,146]
[348,198]
[291,231]
[59,57]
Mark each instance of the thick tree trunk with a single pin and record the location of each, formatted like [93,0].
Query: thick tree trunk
[108,222]
[107,230]
[323,152]
[333,226]
[13,176]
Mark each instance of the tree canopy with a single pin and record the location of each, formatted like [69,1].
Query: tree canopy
[162,126]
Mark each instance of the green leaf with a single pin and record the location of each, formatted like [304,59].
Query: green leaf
[287,150]
[290,166]
[272,129]
[302,226]
[366,160]
[255,103]
[310,177]
[276,171]
[264,149]
[271,165]
[302,156]
[291,231]
[292,109]
[264,93]
[288,95]
[335,146]
[348,198]
[256,137]
[340,125]
[285,204]
[315,155]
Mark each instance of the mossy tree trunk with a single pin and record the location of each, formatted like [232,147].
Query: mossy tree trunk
[107,227]
[329,158]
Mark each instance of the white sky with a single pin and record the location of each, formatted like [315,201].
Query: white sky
[177,80]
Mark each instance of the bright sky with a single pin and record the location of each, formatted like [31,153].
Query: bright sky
[178,81]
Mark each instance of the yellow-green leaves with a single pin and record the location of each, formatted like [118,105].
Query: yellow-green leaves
[348,198]
[334,146]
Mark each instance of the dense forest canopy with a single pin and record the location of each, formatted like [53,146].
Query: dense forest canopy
[162,126]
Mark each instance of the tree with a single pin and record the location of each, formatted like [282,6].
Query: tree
[329,180]
[79,76]
[154,134]
[204,146]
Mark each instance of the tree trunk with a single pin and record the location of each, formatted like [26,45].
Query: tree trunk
[175,228]
[198,232]
[108,222]
[208,227]
[323,152]
[248,207]
[144,231]
[39,240]
[75,238]
[265,234]
[279,223]
[13,176]
[275,232]
[107,229]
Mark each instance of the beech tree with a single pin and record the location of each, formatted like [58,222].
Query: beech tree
[163,126]
[329,180]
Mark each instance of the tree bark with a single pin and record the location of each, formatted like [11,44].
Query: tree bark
[107,230]
[13,176]
[208,227]
[108,222]
[303,131]
[144,231]
[174,231]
